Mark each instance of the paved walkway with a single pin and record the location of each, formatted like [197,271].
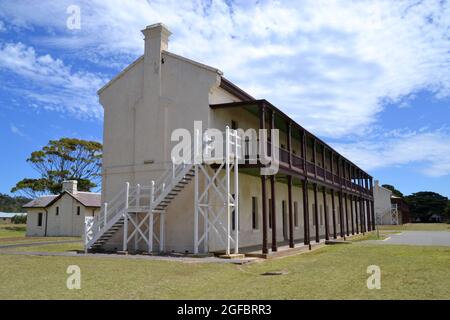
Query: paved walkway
[418,238]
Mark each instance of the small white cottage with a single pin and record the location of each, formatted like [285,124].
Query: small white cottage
[63,214]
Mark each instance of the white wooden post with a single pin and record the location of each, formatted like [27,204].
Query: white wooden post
[173,168]
[85,237]
[150,218]
[236,194]
[136,214]
[161,231]
[196,209]
[227,166]
[125,218]
[105,214]
[206,226]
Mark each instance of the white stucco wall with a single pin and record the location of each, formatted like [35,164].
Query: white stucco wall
[382,204]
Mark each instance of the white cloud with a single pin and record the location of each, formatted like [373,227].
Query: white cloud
[14,129]
[427,151]
[49,83]
[330,64]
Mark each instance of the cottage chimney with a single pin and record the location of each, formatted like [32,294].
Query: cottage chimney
[70,186]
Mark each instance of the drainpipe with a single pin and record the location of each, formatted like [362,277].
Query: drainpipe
[46,218]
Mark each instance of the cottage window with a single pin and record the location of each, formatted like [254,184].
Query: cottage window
[78,210]
[234,125]
[39,222]
[57,211]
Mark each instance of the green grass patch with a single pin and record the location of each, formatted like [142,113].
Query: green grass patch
[331,272]
[369,236]
[417,227]
[60,247]
[12,230]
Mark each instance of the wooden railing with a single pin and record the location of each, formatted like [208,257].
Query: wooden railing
[297,162]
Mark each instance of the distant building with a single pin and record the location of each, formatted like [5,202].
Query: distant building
[6,217]
[63,214]
[382,204]
[401,209]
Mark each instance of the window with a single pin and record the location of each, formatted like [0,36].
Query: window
[254,213]
[78,210]
[270,213]
[234,125]
[314,213]
[39,222]
[295,214]
[57,211]
[321,215]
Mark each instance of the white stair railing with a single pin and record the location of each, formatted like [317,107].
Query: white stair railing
[145,198]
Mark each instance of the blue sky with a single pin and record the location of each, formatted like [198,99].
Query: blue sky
[370,78]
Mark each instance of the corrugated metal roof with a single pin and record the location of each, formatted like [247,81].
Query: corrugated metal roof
[11,214]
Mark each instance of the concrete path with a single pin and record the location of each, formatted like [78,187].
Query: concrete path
[418,238]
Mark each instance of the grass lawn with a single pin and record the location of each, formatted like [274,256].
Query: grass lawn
[60,247]
[331,272]
[15,234]
[418,227]
[12,230]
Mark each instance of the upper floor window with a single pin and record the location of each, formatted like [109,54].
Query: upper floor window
[78,211]
[57,211]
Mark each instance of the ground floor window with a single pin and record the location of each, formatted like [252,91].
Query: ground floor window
[321,215]
[254,213]
[39,222]
[270,213]
[314,213]
[295,213]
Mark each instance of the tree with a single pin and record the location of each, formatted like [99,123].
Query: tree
[426,203]
[395,192]
[12,204]
[447,211]
[60,160]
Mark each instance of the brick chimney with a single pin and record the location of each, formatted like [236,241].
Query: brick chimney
[156,40]
[151,113]
[70,186]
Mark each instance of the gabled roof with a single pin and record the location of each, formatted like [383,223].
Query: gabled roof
[40,202]
[87,199]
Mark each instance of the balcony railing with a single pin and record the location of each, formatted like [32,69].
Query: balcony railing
[314,170]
